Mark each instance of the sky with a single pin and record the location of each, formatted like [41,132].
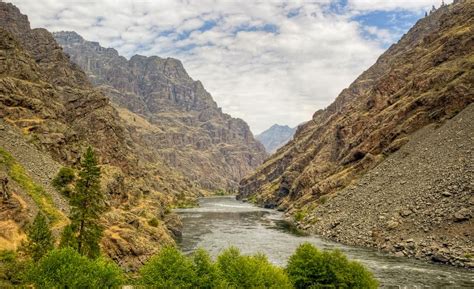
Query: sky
[266,62]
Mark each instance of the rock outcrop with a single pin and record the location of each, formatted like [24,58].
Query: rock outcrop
[275,137]
[184,124]
[50,108]
[426,78]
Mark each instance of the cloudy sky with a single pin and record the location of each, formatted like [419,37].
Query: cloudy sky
[263,61]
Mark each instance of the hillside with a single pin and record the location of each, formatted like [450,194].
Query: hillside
[426,78]
[52,112]
[184,124]
[275,137]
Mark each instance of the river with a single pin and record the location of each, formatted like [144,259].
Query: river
[220,222]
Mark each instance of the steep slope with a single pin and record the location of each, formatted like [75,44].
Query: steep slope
[425,78]
[275,137]
[48,101]
[187,128]
[418,202]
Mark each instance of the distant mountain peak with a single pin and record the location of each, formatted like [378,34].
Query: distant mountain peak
[275,137]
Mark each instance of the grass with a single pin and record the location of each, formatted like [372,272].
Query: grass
[42,199]
[300,215]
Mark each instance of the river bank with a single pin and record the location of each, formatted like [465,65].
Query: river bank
[220,222]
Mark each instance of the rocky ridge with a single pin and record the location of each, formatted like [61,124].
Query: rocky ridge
[49,102]
[419,202]
[184,124]
[426,78]
[275,137]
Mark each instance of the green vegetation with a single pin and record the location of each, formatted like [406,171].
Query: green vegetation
[171,269]
[39,239]
[66,268]
[310,268]
[300,215]
[42,199]
[250,271]
[87,204]
[64,180]
[12,269]
[153,222]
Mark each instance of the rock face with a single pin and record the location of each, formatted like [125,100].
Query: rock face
[426,78]
[275,137]
[49,108]
[185,126]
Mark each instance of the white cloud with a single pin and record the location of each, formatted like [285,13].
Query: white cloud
[372,5]
[266,61]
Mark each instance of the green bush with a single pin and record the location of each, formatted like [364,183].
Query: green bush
[310,268]
[168,269]
[63,181]
[250,271]
[12,270]
[153,222]
[66,268]
[207,272]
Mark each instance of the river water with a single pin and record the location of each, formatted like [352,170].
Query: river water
[220,222]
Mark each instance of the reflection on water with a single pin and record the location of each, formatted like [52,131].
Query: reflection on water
[221,222]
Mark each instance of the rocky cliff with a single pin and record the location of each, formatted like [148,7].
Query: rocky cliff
[185,126]
[275,137]
[426,78]
[48,107]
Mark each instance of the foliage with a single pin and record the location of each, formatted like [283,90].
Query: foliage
[12,270]
[300,215]
[168,269]
[207,272]
[63,181]
[310,268]
[42,199]
[68,238]
[250,271]
[87,205]
[66,268]
[153,222]
[39,239]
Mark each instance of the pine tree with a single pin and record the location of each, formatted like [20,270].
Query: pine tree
[39,239]
[87,205]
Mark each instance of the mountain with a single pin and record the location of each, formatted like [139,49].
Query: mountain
[359,172]
[183,123]
[50,113]
[275,137]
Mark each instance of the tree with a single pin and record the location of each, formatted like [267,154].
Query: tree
[168,269]
[39,239]
[66,268]
[256,271]
[310,268]
[87,204]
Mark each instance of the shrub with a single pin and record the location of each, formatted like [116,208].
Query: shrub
[12,270]
[310,268]
[168,269]
[63,180]
[66,268]
[153,222]
[207,272]
[250,271]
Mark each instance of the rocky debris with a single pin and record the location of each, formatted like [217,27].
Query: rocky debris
[413,218]
[423,80]
[183,124]
[275,137]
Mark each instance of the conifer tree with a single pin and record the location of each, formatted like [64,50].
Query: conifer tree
[39,239]
[87,205]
